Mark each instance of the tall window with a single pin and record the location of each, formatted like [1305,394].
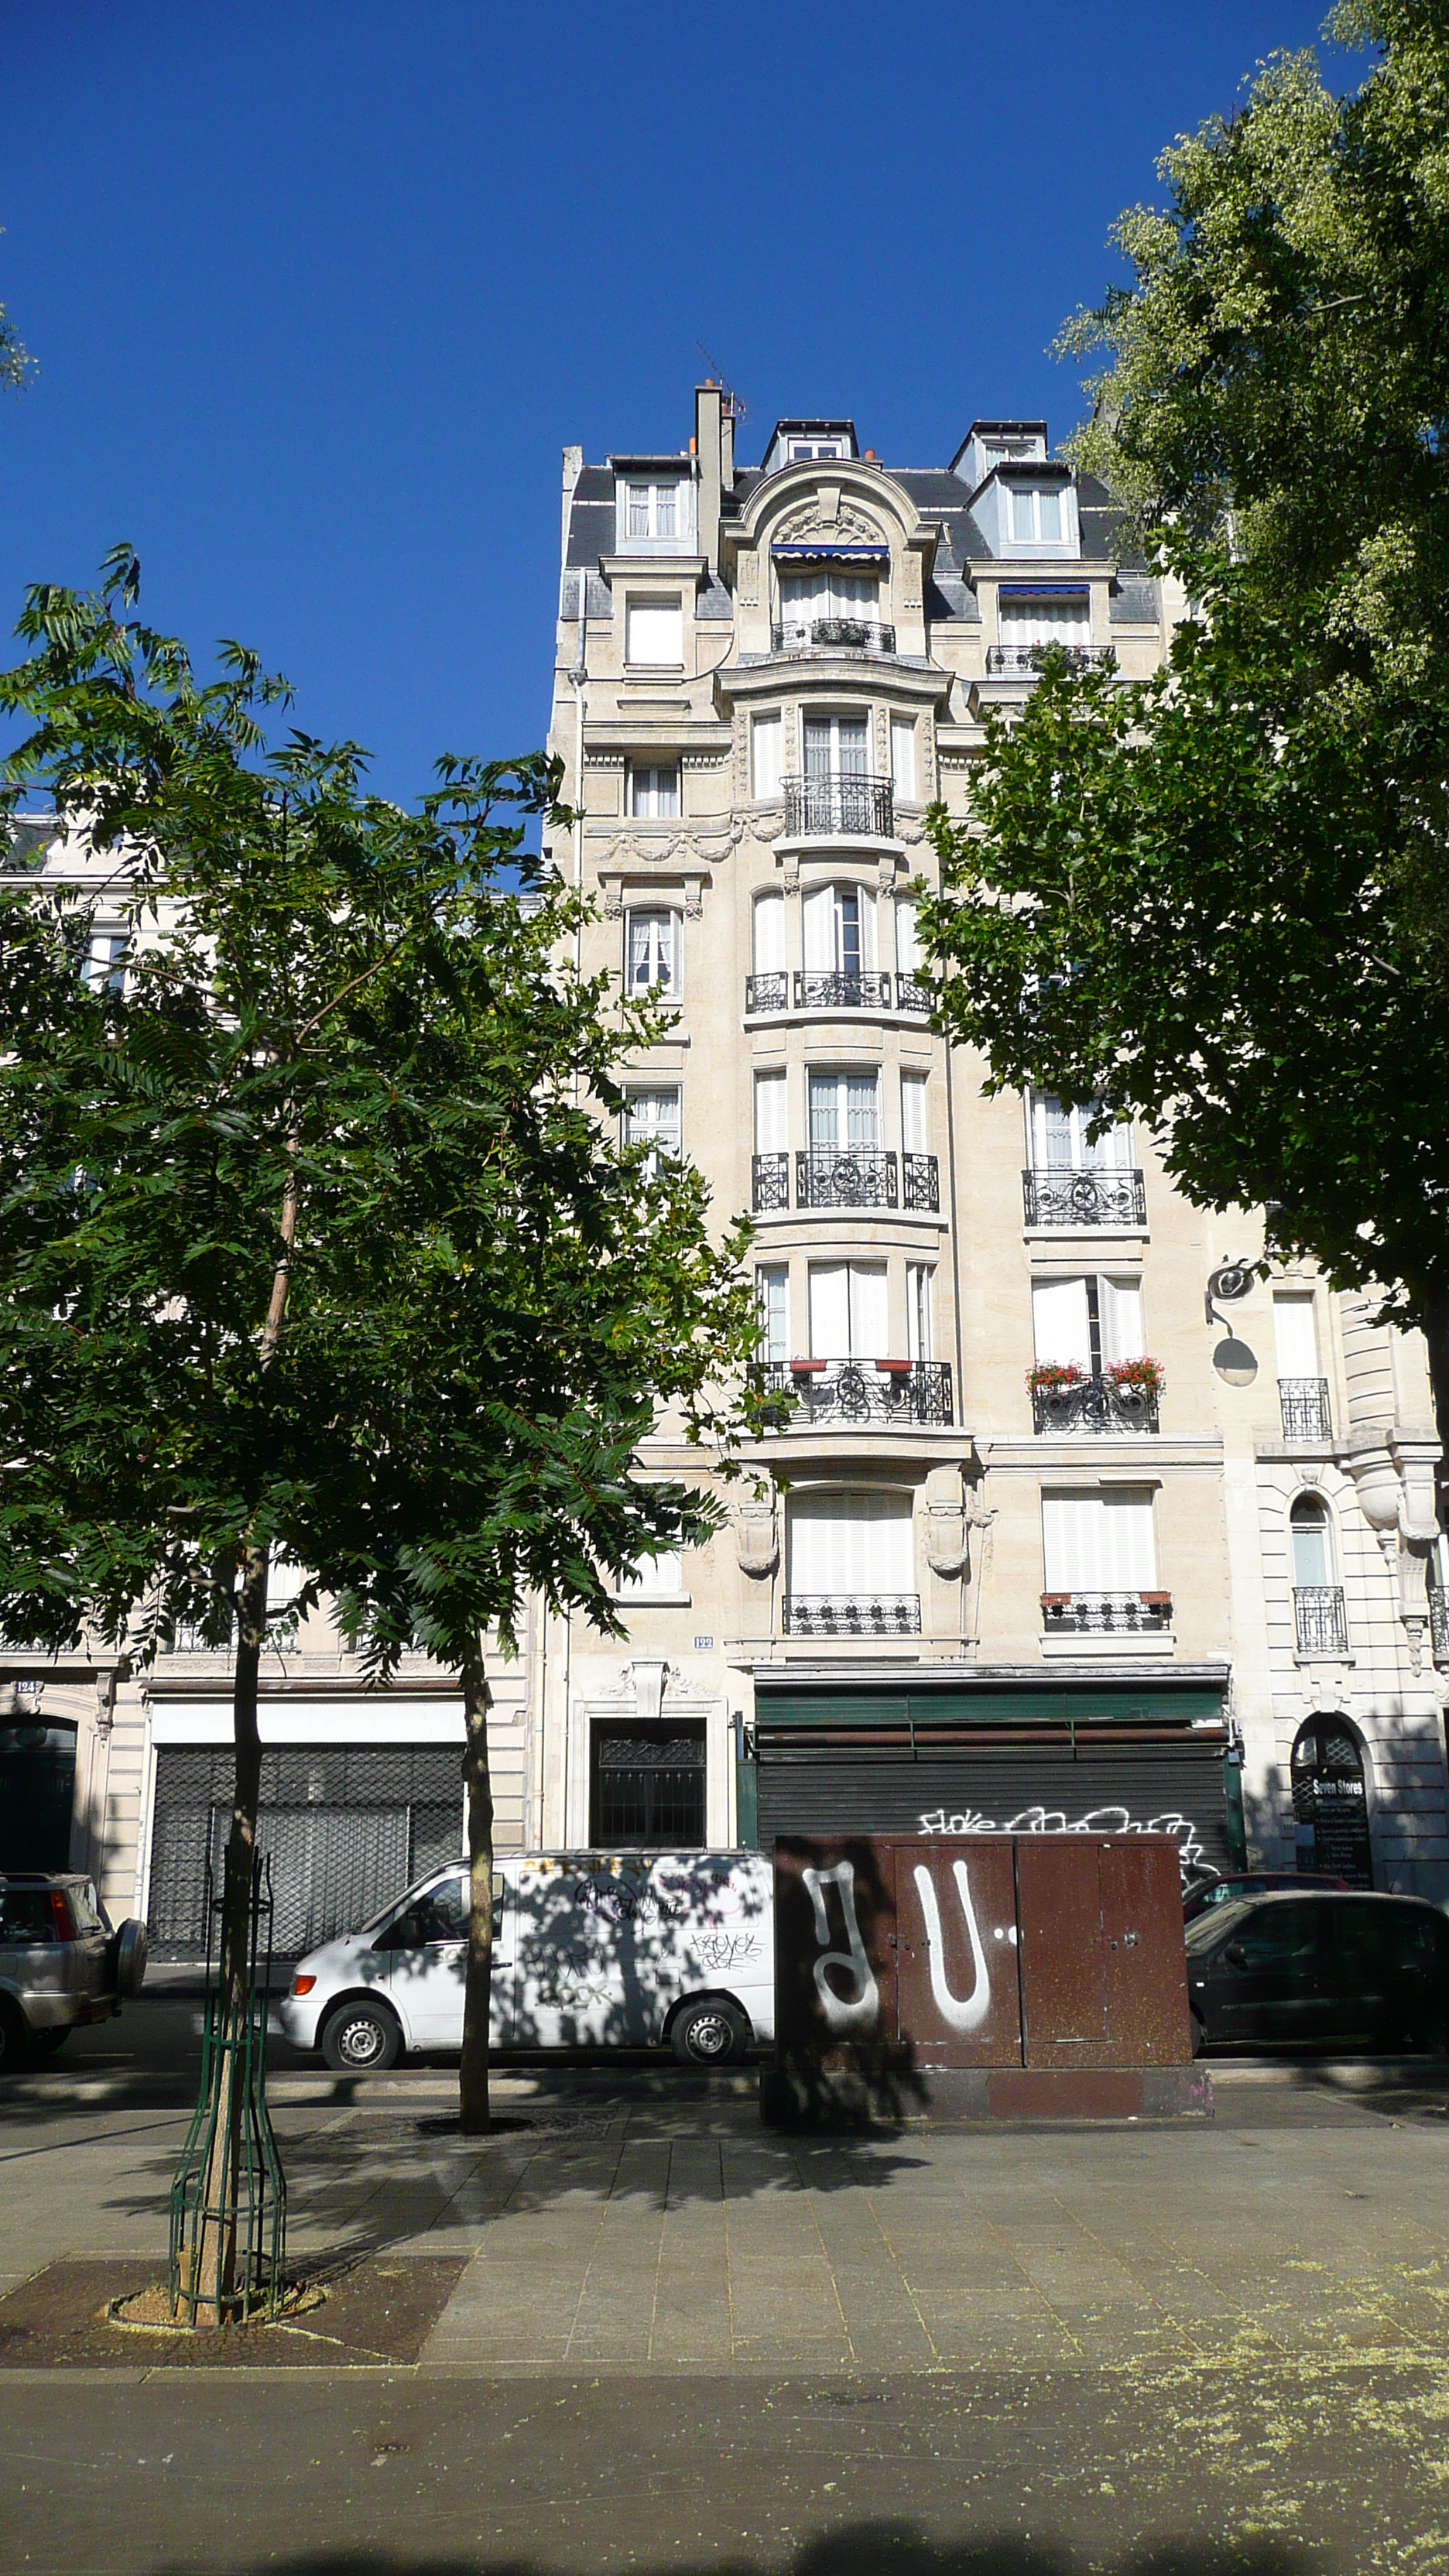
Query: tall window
[903,756]
[765,756]
[104,970]
[845,1111]
[654,959]
[655,635]
[852,1542]
[1098,1542]
[1311,1531]
[653,789]
[769,934]
[1038,515]
[772,1127]
[836,747]
[919,1343]
[848,1313]
[1091,1321]
[915,1130]
[772,1287]
[1059,1138]
[839,930]
[908,938]
[1297,1343]
[651,1118]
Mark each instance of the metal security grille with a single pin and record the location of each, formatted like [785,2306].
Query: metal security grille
[348,1826]
[648,1787]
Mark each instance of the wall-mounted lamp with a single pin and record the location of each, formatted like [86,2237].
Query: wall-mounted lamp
[1235,1363]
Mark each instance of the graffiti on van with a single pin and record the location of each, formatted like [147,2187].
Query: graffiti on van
[726,1950]
[1191,1850]
[620,1902]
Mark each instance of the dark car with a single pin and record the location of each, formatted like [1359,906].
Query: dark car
[1249,1882]
[1325,1970]
[61,1963]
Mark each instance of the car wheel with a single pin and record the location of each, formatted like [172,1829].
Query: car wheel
[361,2039]
[14,2039]
[44,2043]
[711,2032]
[128,1957]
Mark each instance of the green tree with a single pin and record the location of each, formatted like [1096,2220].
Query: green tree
[315,1235]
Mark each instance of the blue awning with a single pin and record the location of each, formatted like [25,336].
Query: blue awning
[1044,590]
[820,550]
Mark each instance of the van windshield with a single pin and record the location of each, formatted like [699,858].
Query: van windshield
[422,1887]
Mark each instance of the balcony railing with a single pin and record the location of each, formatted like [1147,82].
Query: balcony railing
[1439,1625]
[832,635]
[845,1176]
[889,1391]
[1305,1408]
[769,1182]
[822,989]
[1085,1196]
[767,992]
[914,994]
[1023,661]
[1104,1614]
[1319,1618]
[921,1183]
[840,807]
[848,1614]
[1093,1403]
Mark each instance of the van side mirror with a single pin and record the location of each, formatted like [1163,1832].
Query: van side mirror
[1235,1955]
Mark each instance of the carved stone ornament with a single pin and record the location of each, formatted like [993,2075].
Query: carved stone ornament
[769,827]
[757,1540]
[694,899]
[946,1540]
[614,903]
[848,527]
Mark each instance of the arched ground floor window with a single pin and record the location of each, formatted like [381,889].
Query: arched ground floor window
[1330,1803]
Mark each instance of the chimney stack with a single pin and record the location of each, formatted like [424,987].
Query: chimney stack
[708,440]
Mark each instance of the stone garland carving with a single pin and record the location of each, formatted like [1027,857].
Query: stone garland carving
[849,526]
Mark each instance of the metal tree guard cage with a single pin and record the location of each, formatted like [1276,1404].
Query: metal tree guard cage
[229,2175]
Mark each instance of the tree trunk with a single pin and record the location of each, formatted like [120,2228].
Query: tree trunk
[214,2255]
[475,2117]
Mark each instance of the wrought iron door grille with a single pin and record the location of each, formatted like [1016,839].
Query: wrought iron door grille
[845,1176]
[1093,1404]
[819,989]
[648,1787]
[1320,1619]
[840,806]
[1084,1197]
[921,1182]
[767,992]
[859,1391]
[1304,1401]
[769,1182]
[1107,1613]
[843,1614]
[832,635]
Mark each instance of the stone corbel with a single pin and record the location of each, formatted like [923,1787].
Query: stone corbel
[946,1543]
[757,1540]
[649,1678]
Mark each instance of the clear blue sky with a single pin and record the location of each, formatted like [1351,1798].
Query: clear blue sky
[319,288]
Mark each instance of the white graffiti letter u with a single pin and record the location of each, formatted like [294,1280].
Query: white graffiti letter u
[863,2012]
[970,2015]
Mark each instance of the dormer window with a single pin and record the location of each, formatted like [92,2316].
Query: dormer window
[654,512]
[653,509]
[804,450]
[1038,516]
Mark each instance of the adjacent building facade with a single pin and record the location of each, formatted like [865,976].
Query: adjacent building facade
[1062,1515]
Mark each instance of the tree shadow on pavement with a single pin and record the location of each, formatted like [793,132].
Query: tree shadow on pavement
[873,2548]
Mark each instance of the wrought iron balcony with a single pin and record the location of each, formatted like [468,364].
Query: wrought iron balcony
[921,1183]
[1305,1408]
[1023,661]
[889,1391]
[1320,1620]
[832,635]
[914,994]
[844,1176]
[1439,1624]
[848,1614]
[769,1182]
[840,808]
[1106,1614]
[767,992]
[1085,1195]
[1093,1403]
[819,989]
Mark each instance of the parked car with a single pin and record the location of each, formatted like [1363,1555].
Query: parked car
[590,1949]
[61,1963]
[1323,1970]
[1249,1882]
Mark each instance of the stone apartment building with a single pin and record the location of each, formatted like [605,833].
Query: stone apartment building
[988,1564]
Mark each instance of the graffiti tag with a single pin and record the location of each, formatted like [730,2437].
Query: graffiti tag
[860,2011]
[1191,1850]
[957,2015]
[726,1949]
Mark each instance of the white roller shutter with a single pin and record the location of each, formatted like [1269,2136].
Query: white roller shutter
[1059,1322]
[853,1543]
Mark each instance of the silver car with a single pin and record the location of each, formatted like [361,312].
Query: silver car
[61,1963]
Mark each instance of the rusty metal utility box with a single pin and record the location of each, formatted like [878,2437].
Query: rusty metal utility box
[1053,1959]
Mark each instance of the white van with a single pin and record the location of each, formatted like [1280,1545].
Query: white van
[590,1949]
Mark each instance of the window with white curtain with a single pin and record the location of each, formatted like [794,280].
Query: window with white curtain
[919,1340]
[845,1110]
[836,747]
[826,593]
[772,1288]
[848,1310]
[104,969]
[908,937]
[766,761]
[839,930]
[769,934]
[655,635]
[772,1126]
[653,789]
[1040,514]
[915,1128]
[653,1578]
[1098,1542]
[903,756]
[1091,1321]
[1059,1139]
[851,1542]
[657,509]
[654,954]
[652,1118]
[1294,1335]
[1045,621]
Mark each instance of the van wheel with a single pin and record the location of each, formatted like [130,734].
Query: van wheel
[44,2043]
[712,2032]
[361,2039]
